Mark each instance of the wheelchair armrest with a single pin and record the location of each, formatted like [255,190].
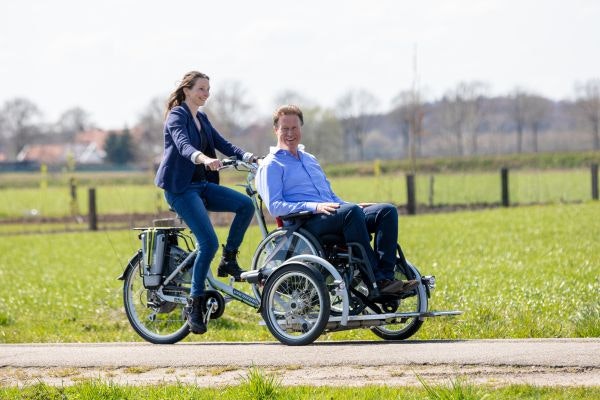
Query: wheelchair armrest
[298,217]
[301,215]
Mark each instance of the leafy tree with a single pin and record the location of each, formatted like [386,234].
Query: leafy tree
[119,147]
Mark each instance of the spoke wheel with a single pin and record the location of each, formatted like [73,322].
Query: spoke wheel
[295,304]
[276,248]
[153,319]
[414,301]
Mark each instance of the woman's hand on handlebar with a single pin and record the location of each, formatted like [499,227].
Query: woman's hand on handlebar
[212,164]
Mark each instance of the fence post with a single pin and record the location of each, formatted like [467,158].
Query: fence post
[431,183]
[73,192]
[93,218]
[411,207]
[594,181]
[504,182]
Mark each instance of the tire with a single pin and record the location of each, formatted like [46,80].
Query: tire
[154,320]
[416,301]
[295,293]
[303,243]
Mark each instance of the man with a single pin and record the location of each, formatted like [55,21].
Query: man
[291,180]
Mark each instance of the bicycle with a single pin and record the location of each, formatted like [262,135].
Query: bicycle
[303,286]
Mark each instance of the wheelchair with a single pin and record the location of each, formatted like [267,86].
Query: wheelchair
[310,285]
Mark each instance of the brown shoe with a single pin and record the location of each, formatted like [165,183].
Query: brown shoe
[387,286]
[408,285]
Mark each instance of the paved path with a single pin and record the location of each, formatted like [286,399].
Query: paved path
[537,361]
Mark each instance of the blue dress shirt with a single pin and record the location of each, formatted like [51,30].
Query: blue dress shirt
[288,184]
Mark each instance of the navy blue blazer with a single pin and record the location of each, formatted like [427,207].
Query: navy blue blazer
[182,139]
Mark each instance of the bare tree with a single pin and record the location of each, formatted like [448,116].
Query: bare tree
[323,135]
[518,99]
[462,112]
[536,109]
[355,109]
[72,121]
[400,115]
[588,100]
[409,111]
[20,121]
[151,123]
[289,96]
[229,109]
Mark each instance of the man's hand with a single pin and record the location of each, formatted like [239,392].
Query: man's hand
[327,208]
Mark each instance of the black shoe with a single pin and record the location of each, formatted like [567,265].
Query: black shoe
[229,265]
[195,316]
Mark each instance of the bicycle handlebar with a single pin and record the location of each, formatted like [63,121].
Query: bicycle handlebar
[235,163]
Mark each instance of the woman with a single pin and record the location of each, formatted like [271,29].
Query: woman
[188,174]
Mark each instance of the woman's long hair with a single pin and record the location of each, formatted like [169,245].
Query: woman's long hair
[188,81]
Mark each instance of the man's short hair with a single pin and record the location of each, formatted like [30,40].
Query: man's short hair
[288,109]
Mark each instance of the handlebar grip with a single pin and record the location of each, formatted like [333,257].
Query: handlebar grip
[228,161]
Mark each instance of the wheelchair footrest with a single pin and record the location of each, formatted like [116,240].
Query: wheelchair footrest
[253,276]
[384,319]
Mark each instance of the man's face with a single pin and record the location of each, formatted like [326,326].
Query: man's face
[289,132]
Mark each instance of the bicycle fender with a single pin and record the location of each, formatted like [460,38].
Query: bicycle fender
[130,264]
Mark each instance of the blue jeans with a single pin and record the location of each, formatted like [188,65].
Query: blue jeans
[193,205]
[355,224]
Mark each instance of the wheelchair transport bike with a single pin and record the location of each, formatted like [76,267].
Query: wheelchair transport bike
[303,286]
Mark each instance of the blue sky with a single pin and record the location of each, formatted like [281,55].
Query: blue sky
[112,57]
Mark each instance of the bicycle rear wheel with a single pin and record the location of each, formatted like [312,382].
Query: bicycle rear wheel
[154,319]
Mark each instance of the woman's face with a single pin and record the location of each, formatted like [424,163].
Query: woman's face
[198,94]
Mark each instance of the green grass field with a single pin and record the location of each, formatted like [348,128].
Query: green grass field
[266,387]
[516,273]
[525,187]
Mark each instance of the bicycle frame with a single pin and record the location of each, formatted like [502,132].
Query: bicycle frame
[212,282]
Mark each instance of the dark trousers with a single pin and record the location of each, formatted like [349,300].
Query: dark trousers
[355,224]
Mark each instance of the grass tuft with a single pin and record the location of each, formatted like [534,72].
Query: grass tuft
[260,386]
[458,389]
[587,320]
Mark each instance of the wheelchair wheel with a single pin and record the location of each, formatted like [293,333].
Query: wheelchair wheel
[277,247]
[414,301]
[295,304]
[153,319]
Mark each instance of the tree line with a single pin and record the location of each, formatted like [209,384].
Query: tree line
[466,120]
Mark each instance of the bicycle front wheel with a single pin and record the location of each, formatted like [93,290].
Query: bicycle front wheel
[154,319]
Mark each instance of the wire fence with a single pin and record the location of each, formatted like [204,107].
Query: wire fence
[122,205]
